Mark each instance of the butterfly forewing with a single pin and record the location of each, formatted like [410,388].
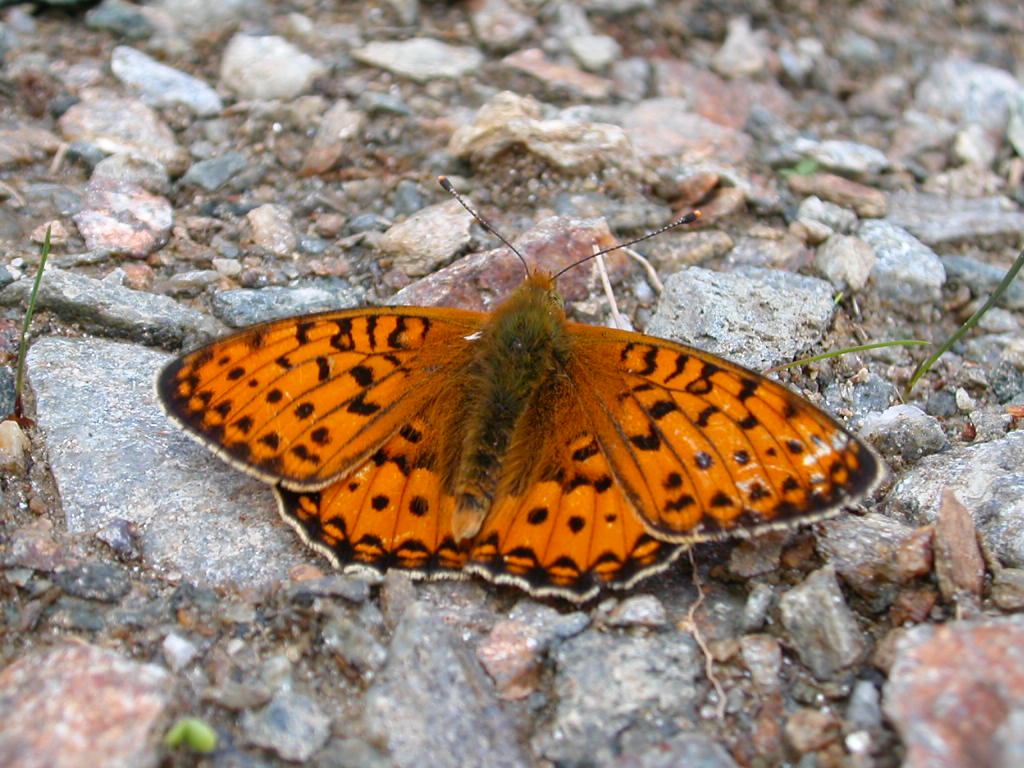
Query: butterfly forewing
[704,448]
[303,400]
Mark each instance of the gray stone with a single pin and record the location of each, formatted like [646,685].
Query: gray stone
[607,683]
[757,317]
[846,157]
[983,278]
[988,479]
[291,725]
[355,644]
[267,67]
[822,629]
[161,86]
[114,456]
[420,58]
[433,698]
[968,92]
[938,220]
[113,310]
[215,172]
[905,431]
[244,306]
[846,261]
[428,239]
[94,581]
[906,270]
[124,125]
[692,749]
[124,19]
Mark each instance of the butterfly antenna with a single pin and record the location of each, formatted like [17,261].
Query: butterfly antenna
[446,185]
[687,219]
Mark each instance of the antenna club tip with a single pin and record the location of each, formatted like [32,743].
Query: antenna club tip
[445,184]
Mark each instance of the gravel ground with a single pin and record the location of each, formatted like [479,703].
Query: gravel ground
[207,165]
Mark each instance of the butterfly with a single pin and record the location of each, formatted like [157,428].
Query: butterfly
[558,457]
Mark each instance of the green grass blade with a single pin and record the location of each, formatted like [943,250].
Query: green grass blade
[19,381]
[838,352]
[925,366]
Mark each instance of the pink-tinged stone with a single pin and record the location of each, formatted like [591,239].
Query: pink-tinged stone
[867,201]
[123,217]
[726,102]
[34,546]
[511,656]
[533,62]
[954,692]
[79,705]
[482,280]
[670,128]
[959,567]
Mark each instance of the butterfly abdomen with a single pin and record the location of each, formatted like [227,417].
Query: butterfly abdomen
[520,351]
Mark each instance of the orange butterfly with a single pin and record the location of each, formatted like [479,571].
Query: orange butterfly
[558,457]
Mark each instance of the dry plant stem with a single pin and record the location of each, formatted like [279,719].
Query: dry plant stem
[606,284]
[691,621]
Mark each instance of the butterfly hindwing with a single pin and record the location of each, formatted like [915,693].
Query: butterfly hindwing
[303,400]
[705,448]
[563,526]
[390,512]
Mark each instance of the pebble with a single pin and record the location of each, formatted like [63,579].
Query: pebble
[822,628]
[744,52]
[241,307]
[339,128]
[122,217]
[433,698]
[420,58]
[109,708]
[595,53]
[428,239]
[123,537]
[606,686]
[906,270]
[135,170]
[870,553]
[213,173]
[1008,589]
[986,478]
[116,125]
[509,121]
[808,730]
[267,67]
[967,92]
[270,228]
[668,128]
[840,156]
[104,582]
[161,86]
[847,261]
[125,19]
[512,653]
[941,220]
[291,725]
[756,317]
[562,79]
[976,671]
[178,651]
[904,431]
[500,25]
[354,644]
[14,449]
[638,611]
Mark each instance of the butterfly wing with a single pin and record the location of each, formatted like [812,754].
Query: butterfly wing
[302,401]
[559,525]
[390,512]
[704,448]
